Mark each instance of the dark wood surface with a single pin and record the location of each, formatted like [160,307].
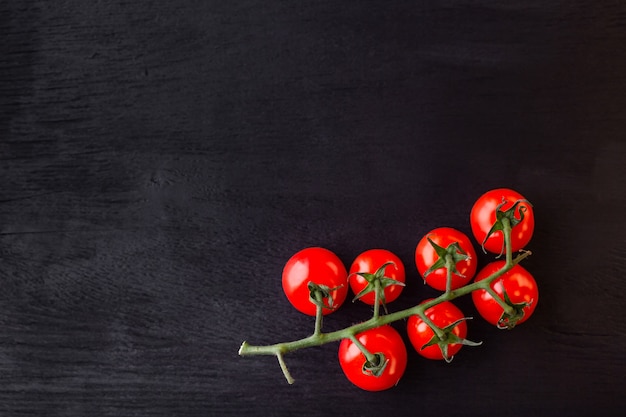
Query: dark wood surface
[160,162]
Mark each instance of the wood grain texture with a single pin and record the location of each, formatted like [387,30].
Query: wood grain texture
[160,162]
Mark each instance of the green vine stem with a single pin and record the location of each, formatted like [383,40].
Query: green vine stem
[377,292]
[319,338]
[319,314]
[449,267]
[369,356]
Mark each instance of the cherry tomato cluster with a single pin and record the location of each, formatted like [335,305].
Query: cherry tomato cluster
[315,280]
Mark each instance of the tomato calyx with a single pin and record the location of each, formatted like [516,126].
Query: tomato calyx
[453,252]
[318,293]
[446,337]
[376,366]
[509,319]
[375,363]
[507,214]
[377,282]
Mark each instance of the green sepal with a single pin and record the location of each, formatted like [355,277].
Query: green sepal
[509,320]
[371,286]
[325,291]
[509,214]
[450,339]
[375,369]
[383,281]
[454,249]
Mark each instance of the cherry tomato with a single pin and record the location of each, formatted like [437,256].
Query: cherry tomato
[520,287]
[322,267]
[383,340]
[442,315]
[369,262]
[483,218]
[426,256]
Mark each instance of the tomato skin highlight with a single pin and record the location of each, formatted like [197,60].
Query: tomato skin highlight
[519,285]
[425,257]
[483,216]
[442,315]
[320,266]
[384,339]
[369,261]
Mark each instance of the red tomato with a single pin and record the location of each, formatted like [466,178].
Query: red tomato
[521,289]
[442,315]
[383,340]
[426,256]
[483,217]
[322,267]
[369,262]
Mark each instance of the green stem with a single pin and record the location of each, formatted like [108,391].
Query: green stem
[283,366]
[319,313]
[436,329]
[371,358]
[376,299]
[346,333]
[318,338]
[507,308]
[506,229]
[449,267]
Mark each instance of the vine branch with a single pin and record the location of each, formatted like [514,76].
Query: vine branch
[319,338]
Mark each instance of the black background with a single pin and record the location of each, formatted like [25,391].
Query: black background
[160,162]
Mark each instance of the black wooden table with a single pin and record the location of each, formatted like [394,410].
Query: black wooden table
[161,161]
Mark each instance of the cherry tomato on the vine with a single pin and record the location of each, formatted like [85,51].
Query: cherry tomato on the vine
[442,315]
[520,288]
[383,340]
[483,218]
[369,262]
[322,267]
[426,256]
